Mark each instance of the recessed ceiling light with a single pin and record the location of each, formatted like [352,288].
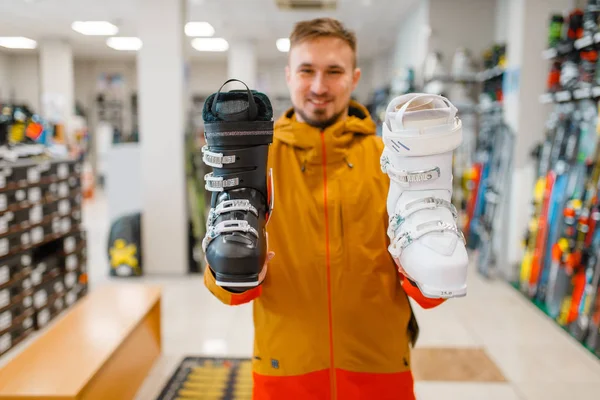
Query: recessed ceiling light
[283,45]
[195,29]
[210,44]
[95,28]
[17,42]
[124,43]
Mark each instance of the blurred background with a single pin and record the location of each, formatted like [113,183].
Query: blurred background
[101,173]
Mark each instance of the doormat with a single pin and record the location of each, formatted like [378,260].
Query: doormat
[231,378]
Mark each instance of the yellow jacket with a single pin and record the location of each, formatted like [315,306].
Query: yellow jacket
[331,317]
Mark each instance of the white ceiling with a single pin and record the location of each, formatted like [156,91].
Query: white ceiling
[375,22]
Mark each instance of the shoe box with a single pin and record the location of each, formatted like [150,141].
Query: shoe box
[25,173]
[16,300]
[43,251]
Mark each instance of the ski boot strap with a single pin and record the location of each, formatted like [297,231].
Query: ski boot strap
[407,178]
[403,240]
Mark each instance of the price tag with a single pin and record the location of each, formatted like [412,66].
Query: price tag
[20,195]
[596,91]
[2,180]
[66,225]
[26,284]
[53,188]
[565,95]
[70,298]
[64,207]
[549,54]
[4,298]
[36,277]
[77,215]
[78,168]
[40,299]
[59,304]
[5,342]
[33,175]
[44,166]
[584,42]
[3,225]
[28,301]
[25,239]
[69,245]
[28,323]
[63,171]
[35,194]
[583,93]
[2,202]
[37,234]
[56,225]
[26,259]
[71,262]
[63,190]
[59,287]
[36,214]
[70,279]
[3,246]
[546,98]
[4,274]
[43,317]
[5,320]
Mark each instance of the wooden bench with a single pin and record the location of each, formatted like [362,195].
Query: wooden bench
[102,348]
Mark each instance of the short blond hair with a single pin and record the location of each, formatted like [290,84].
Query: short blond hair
[322,27]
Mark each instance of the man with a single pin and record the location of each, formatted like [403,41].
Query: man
[332,320]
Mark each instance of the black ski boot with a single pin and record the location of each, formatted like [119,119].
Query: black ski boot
[238,127]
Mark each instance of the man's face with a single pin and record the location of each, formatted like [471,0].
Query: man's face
[321,78]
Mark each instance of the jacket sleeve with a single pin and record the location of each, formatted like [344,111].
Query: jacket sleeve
[414,293]
[227,297]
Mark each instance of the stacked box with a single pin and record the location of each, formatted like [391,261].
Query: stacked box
[42,245]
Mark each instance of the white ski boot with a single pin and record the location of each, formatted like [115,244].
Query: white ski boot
[420,133]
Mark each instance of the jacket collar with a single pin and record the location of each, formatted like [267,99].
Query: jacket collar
[337,137]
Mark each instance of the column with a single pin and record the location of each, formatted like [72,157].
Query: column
[242,62]
[57,81]
[4,78]
[161,69]
[524,81]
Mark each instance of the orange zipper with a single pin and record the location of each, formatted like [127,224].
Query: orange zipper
[332,378]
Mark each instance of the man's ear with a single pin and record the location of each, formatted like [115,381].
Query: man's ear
[356,77]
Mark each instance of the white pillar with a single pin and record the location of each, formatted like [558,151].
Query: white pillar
[57,81]
[525,81]
[4,77]
[162,125]
[242,63]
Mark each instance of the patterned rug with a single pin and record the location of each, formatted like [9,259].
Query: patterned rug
[231,379]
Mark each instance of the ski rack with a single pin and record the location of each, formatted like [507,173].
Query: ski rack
[563,49]
[565,96]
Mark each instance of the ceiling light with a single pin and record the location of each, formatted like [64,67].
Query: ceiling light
[124,43]
[210,44]
[17,42]
[283,45]
[95,28]
[195,29]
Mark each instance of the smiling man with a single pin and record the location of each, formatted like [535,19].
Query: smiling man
[332,320]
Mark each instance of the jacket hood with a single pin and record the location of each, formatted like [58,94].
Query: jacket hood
[335,139]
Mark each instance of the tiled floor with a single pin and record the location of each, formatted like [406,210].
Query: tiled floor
[539,360]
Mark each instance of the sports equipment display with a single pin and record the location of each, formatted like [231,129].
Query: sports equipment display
[238,132]
[420,133]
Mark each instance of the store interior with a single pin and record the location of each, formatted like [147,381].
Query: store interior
[103,206]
